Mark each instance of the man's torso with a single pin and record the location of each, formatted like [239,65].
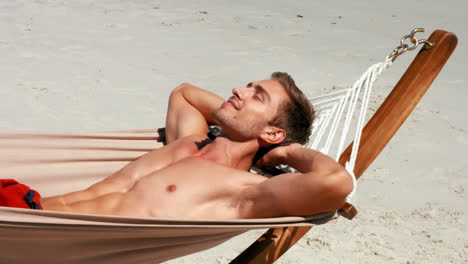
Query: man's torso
[192,187]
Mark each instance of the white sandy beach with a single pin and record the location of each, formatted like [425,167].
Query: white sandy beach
[111,65]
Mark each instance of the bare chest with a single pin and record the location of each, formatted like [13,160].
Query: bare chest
[192,188]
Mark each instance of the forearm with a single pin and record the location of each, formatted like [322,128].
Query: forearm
[307,160]
[189,111]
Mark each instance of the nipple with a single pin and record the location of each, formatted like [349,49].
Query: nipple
[171,188]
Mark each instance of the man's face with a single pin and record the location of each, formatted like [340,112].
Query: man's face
[250,109]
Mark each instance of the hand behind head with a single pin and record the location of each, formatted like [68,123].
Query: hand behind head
[277,155]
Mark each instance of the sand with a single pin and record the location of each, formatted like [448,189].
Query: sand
[110,65]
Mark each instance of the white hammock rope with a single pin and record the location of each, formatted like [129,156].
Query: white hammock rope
[330,109]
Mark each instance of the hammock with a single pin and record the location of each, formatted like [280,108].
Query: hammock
[58,163]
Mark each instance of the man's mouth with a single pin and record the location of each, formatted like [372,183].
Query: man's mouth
[233,102]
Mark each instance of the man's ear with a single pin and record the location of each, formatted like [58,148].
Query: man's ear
[272,135]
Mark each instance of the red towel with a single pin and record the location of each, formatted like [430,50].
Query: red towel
[14,194]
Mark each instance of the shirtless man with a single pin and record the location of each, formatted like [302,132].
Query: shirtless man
[189,178]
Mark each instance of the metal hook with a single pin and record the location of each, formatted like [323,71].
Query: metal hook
[402,48]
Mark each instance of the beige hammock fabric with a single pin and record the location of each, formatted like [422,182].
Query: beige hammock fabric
[55,164]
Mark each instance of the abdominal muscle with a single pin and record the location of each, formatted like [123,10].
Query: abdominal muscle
[190,188]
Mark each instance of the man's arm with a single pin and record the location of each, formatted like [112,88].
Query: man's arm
[189,111]
[321,185]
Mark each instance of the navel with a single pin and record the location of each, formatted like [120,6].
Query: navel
[171,188]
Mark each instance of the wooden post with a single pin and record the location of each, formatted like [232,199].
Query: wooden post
[376,134]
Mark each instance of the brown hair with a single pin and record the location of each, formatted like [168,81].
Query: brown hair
[296,115]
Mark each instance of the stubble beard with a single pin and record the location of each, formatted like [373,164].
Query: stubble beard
[235,128]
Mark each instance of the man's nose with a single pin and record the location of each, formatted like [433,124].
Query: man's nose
[241,93]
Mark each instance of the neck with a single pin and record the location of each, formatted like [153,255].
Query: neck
[234,154]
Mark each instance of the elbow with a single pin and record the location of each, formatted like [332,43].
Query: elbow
[346,183]
[339,186]
[179,91]
[181,87]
